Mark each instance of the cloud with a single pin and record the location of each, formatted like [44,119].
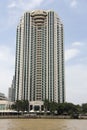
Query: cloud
[6,68]
[77,44]
[71,53]
[74,51]
[6,54]
[25,5]
[76,73]
[16,8]
[12,5]
[76,83]
[73,3]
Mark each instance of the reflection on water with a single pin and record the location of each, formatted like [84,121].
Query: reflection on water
[42,124]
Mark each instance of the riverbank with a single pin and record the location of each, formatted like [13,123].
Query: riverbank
[40,117]
[33,117]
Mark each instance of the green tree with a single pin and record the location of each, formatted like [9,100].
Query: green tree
[21,105]
[18,105]
[53,107]
[84,108]
[25,105]
[46,105]
[67,108]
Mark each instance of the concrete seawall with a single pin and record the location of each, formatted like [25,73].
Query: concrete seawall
[33,117]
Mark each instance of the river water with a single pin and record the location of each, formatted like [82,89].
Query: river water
[42,124]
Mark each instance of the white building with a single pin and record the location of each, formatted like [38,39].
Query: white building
[39,68]
[2,96]
[4,103]
[11,91]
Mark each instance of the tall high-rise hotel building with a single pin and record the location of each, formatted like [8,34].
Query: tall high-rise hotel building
[39,68]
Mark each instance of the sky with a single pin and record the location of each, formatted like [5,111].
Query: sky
[73,14]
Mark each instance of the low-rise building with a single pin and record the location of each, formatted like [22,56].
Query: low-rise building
[4,103]
[2,96]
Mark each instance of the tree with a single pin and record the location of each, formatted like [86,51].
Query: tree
[67,108]
[25,105]
[53,107]
[84,108]
[46,105]
[21,105]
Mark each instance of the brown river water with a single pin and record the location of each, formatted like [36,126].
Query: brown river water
[42,124]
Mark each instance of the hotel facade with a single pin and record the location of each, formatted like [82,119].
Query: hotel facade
[39,66]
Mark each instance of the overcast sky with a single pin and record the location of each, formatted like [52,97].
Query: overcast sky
[73,13]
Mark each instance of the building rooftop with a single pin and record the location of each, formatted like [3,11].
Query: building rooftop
[2,96]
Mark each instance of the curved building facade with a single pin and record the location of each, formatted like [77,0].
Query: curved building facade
[2,96]
[39,68]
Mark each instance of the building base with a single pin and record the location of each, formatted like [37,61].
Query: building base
[36,106]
